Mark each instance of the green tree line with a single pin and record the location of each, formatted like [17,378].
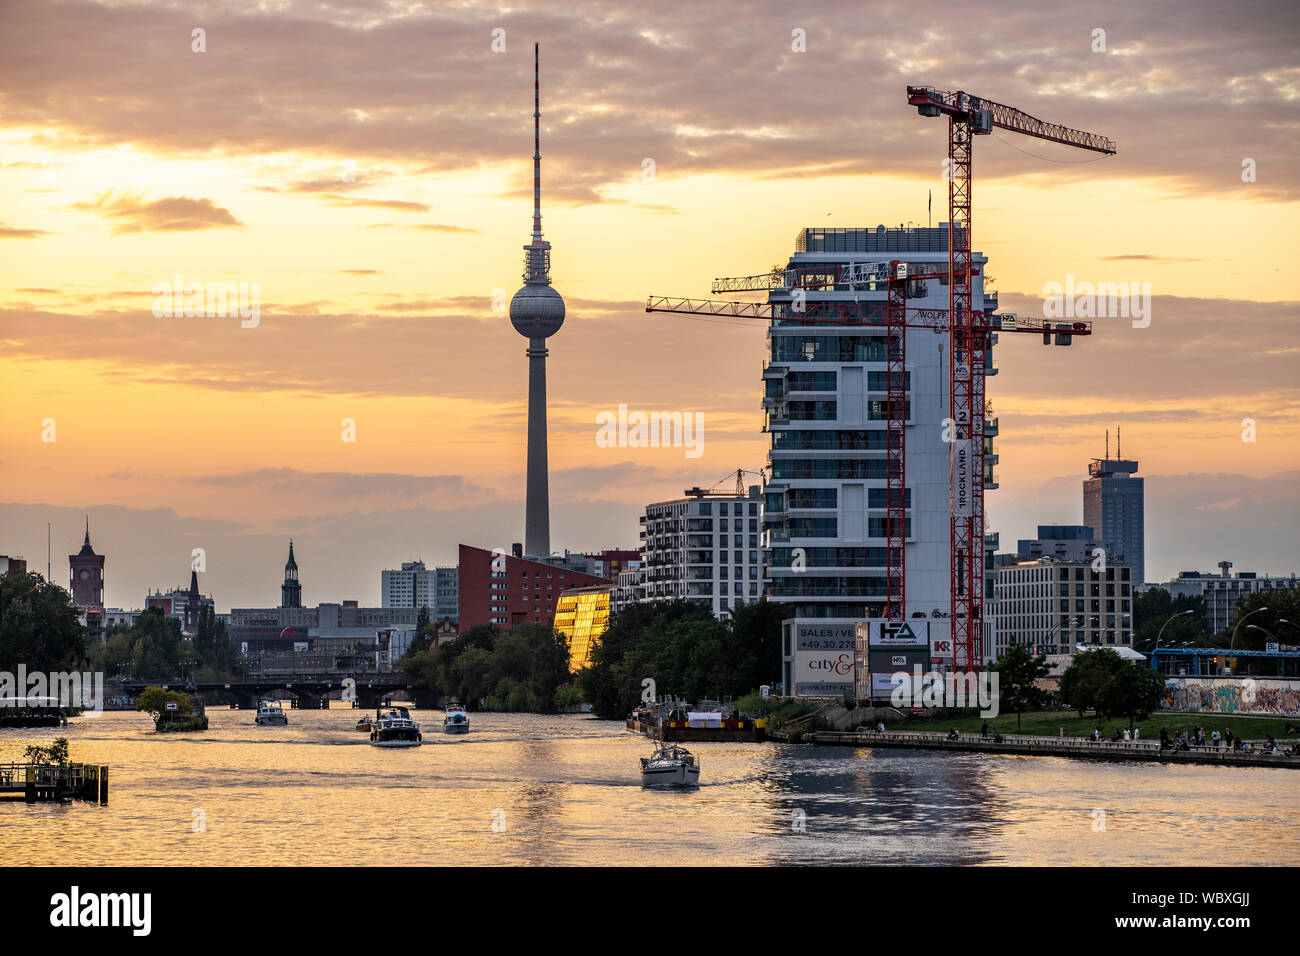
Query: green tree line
[525,669]
[686,651]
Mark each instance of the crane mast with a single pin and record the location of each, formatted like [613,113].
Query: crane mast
[970,116]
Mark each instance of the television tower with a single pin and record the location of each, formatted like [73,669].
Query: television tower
[537,312]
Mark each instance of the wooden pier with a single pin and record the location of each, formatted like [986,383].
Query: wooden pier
[42,782]
[1026,745]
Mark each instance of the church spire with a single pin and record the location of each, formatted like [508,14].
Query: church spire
[291,589]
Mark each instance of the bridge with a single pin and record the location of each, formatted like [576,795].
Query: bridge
[310,691]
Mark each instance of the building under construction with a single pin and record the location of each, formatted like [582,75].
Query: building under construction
[827,410]
[865,424]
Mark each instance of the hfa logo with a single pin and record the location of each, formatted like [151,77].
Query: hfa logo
[900,630]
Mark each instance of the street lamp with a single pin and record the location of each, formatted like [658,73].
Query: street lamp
[1075,623]
[1166,624]
[1256,627]
[1233,643]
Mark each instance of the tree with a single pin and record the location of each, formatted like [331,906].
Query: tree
[1279,604]
[155,646]
[1018,674]
[684,650]
[1156,609]
[55,753]
[1132,691]
[1082,681]
[154,700]
[212,646]
[39,625]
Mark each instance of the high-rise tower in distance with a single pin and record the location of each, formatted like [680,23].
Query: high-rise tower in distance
[1113,505]
[537,312]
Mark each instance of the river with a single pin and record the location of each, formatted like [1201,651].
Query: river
[525,789]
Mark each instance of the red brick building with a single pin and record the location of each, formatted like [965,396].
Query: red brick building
[512,591]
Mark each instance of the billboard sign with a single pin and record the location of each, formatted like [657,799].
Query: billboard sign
[941,649]
[910,634]
[822,663]
[893,647]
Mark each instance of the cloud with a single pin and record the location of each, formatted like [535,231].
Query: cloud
[338,484]
[1146,258]
[339,555]
[131,212]
[693,97]
[16,232]
[398,204]
[424,227]
[358,272]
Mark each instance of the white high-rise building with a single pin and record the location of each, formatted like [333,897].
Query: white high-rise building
[414,585]
[704,548]
[825,399]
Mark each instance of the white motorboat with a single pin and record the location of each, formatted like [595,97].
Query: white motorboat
[395,728]
[270,713]
[670,766]
[456,721]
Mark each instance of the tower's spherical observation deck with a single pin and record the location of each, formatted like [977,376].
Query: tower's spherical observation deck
[537,311]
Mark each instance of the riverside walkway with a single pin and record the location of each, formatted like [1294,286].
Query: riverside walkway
[1026,745]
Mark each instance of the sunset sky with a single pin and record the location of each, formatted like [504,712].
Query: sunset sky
[368,165]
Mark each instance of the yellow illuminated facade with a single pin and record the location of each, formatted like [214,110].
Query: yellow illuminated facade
[582,615]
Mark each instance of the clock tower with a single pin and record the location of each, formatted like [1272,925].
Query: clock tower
[86,569]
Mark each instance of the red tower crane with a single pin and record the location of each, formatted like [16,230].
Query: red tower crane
[896,318]
[970,116]
[969,330]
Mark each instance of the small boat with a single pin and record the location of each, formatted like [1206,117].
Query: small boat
[270,713]
[395,728]
[456,721]
[670,766]
[366,723]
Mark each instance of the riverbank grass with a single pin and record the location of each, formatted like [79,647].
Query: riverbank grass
[1047,723]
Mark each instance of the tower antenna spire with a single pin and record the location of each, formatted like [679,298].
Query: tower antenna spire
[537,312]
[537,142]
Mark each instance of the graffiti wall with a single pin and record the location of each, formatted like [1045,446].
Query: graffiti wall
[1233,695]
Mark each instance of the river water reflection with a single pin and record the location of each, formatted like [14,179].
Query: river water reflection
[524,789]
